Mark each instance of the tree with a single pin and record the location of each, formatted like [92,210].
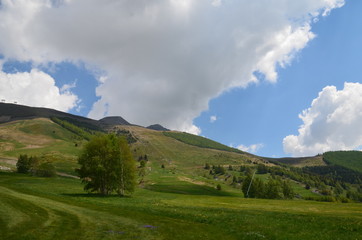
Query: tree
[262,169]
[107,165]
[247,186]
[220,170]
[272,189]
[287,190]
[27,164]
[142,170]
[23,164]
[45,169]
[127,168]
[253,188]
[207,166]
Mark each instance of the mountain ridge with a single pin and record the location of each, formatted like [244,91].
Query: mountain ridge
[12,112]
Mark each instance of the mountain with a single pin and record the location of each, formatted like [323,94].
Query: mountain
[109,121]
[158,127]
[12,112]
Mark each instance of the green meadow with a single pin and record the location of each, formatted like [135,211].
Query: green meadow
[58,208]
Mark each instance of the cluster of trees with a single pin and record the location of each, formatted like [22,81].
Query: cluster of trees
[123,132]
[35,165]
[275,188]
[107,166]
[215,170]
[84,133]
[337,173]
[333,183]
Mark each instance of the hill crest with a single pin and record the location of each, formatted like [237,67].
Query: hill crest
[12,112]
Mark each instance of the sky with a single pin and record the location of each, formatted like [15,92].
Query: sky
[274,78]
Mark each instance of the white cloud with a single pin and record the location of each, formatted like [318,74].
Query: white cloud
[68,87]
[190,128]
[163,60]
[253,148]
[333,122]
[213,119]
[35,88]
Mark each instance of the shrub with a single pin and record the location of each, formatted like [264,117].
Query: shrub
[45,169]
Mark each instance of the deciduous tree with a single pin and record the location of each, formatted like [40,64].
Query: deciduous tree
[107,165]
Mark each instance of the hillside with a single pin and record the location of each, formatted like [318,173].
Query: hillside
[12,112]
[347,159]
[299,161]
[177,198]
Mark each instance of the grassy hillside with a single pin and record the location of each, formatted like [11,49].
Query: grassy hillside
[173,153]
[199,141]
[299,162]
[34,208]
[177,201]
[347,159]
[40,137]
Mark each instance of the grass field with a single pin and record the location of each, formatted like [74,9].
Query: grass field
[38,208]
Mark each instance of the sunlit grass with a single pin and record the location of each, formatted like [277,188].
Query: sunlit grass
[59,209]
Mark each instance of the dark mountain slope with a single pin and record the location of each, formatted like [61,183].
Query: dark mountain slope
[12,112]
[158,127]
[114,120]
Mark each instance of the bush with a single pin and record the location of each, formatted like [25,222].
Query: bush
[34,166]
[45,169]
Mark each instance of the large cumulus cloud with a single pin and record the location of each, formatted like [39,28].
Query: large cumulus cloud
[333,122]
[36,88]
[161,61]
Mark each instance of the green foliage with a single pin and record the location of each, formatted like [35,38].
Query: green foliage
[347,159]
[287,190]
[262,169]
[127,134]
[337,173]
[83,132]
[207,166]
[107,165]
[245,186]
[218,169]
[23,164]
[199,141]
[35,165]
[218,187]
[45,169]
[126,168]
[273,189]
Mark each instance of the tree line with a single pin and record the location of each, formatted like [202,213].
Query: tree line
[35,165]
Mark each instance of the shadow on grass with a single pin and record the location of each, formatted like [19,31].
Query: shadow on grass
[187,189]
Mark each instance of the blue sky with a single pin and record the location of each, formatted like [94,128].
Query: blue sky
[237,72]
[265,113]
